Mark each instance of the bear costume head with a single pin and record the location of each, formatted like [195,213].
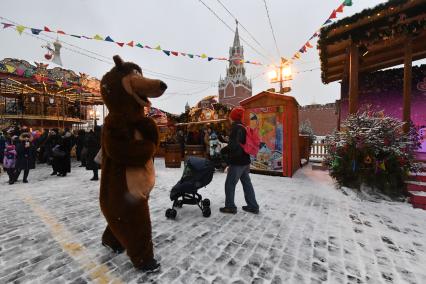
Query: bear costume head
[125,91]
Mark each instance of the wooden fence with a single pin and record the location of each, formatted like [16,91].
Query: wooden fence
[318,151]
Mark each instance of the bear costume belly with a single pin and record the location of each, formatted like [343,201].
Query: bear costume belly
[140,180]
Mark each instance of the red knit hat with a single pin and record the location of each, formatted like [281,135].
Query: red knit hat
[237,114]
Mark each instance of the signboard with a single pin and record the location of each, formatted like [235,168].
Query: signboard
[268,121]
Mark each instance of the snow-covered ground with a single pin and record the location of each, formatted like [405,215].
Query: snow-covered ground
[306,232]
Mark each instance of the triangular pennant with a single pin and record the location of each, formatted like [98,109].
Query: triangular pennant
[333,15]
[308,45]
[46,29]
[167,52]
[35,31]
[59,83]
[20,71]
[139,45]
[209,58]
[86,37]
[158,47]
[183,54]
[347,3]
[175,53]
[6,25]
[130,43]
[10,68]
[61,32]
[327,22]
[120,44]
[98,37]
[108,38]
[190,55]
[297,55]
[203,55]
[20,29]
[146,46]
[77,36]
[303,49]
[340,9]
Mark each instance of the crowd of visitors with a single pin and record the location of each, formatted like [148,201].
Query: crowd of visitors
[21,149]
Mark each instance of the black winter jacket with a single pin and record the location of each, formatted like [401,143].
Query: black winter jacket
[237,156]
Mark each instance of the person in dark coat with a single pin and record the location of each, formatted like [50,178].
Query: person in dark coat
[239,167]
[66,146]
[26,156]
[81,136]
[2,146]
[41,146]
[53,147]
[93,144]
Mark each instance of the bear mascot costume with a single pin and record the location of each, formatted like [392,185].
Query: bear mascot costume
[129,142]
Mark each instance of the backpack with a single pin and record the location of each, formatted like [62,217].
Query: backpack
[252,144]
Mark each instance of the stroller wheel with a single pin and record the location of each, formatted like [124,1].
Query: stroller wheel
[206,203]
[207,212]
[171,213]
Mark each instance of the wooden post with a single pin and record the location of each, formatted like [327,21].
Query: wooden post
[353,78]
[408,57]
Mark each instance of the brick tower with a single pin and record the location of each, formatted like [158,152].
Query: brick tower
[235,87]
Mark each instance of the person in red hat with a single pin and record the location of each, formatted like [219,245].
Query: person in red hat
[239,167]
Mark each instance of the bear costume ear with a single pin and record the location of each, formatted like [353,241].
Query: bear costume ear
[118,61]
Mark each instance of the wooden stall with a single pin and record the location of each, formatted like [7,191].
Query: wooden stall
[390,34]
[276,118]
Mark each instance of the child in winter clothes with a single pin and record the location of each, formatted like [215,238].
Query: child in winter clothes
[9,162]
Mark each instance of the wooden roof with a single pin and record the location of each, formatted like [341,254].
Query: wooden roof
[380,34]
[276,97]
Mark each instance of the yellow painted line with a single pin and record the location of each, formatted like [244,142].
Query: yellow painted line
[96,271]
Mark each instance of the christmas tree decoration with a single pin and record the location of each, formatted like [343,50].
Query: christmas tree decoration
[368,160]
[369,138]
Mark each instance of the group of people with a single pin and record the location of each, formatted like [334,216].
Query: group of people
[21,149]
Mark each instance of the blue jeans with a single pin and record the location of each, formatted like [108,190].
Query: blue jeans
[236,173]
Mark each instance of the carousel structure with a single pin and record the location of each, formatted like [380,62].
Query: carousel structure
[38,97]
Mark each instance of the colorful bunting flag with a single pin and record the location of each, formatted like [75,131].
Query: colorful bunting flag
[308,45]
[6,25]
[35,31]
[297,55]
[340,9]
[108,38]
[86,37]
[327,22]
[158,47]
[77,36]
[46,29]
[203,55]
[130,43]
[347,2]
[146,46]
[139,45]
[167,52]
[20,29]
[333,15]
[190,55]
[61,32]
[303,49]
[209,58]
[183,54]
[98,37]
[120,44]
[175,53]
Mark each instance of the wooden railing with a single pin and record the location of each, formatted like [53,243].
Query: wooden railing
[318,151]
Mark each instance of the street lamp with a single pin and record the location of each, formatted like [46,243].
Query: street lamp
[281,74]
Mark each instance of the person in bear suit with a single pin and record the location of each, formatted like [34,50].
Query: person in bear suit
[129,141]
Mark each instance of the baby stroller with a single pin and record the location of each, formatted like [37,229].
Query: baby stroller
[215,152]
[197,173]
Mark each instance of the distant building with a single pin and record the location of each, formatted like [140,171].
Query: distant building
[235,87]
[323,118]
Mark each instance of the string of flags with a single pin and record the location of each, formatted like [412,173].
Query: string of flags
[36,31]
[329,20]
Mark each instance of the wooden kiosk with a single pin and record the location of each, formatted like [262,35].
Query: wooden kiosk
[387,35]
[276,117]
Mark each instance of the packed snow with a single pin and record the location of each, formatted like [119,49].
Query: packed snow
[307,232]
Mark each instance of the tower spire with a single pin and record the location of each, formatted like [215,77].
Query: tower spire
[237,36]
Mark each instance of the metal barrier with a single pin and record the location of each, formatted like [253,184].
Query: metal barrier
[318,151]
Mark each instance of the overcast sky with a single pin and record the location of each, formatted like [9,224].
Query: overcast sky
[180,25]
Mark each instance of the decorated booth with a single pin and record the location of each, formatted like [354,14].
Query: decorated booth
[276,118]
[166,127]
